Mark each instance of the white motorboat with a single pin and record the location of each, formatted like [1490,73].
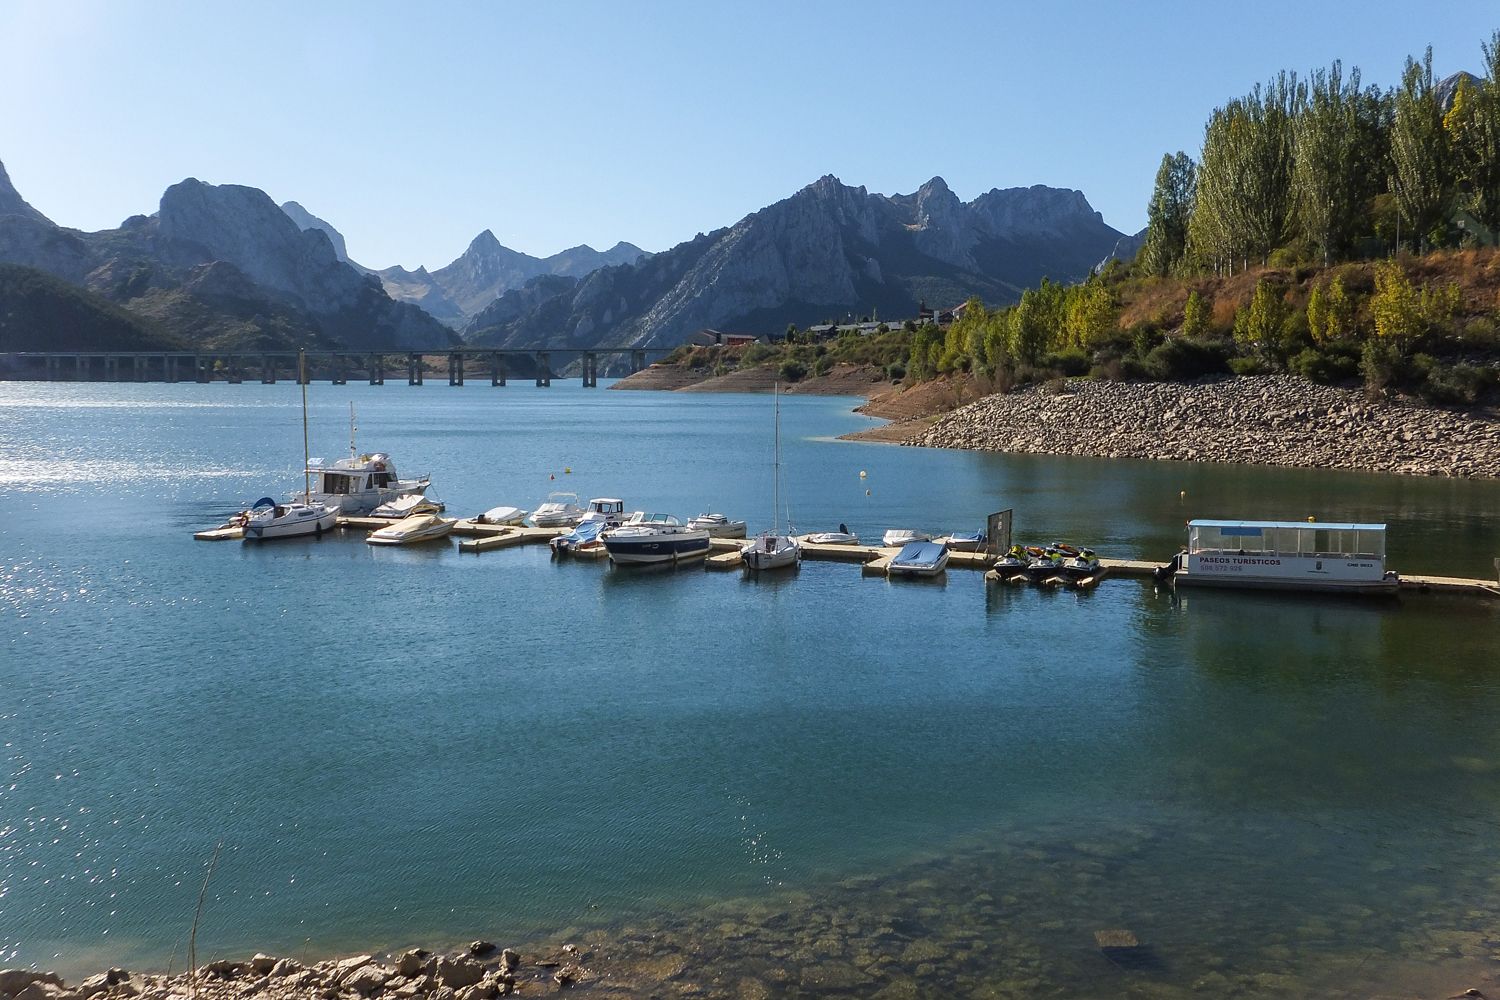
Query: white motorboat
[655,539]
[560,511]
[919,559]
[413,530]
[964,541]
[1284,555]
[502,515]
[358,484]
[718,526]
[841,537]
[898,537]
[773,549]
[412,503]
[610,510]
[268,519]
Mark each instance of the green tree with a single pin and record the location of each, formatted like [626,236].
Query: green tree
[1396,306]
[1168,214]
[1262,324]
[1341,313]
[1195,316]
[1029,335]
[1473,127]
[1090,315]
[1317,314]
[1422,177]
[1339,132]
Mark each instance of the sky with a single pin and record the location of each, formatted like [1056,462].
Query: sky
[411,127]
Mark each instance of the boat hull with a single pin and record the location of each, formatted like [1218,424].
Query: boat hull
[289,527]
[760,557]
[1325,574]
[1380,588]
[669,549]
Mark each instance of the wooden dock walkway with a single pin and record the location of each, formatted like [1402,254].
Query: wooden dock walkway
[874,560]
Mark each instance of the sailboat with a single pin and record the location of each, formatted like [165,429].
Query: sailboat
[268,519]
[771,550]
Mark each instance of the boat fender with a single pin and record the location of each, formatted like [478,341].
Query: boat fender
[318,530]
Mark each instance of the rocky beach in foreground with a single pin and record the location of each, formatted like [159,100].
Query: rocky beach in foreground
[1257,420]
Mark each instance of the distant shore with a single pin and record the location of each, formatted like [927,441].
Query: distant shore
[1248,420]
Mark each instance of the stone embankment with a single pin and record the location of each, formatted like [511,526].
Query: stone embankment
[1262,420]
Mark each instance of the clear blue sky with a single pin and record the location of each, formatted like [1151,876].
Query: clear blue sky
[413,126]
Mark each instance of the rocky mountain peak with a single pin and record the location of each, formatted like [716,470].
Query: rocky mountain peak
[11,202]
[306,220]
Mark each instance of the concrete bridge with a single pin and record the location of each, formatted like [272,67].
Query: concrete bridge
[337,366]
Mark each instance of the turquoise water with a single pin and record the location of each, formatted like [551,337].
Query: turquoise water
[410,746]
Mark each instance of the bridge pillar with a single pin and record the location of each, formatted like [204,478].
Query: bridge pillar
[414,369]
[497,369]
[377,369]
[232,369]
[590,370]
[80,369]
[637,361]
[111,368]
[339,376]
[51,364]
[169,367]
[203,372]
[543,369]
[135,368]
[455,368]
[267,370]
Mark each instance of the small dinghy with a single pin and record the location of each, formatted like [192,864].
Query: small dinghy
[966,541]
[919,559]
[413,530]
[502,515]
[267,519]
[718,526]
[406,506]
[841,537]
[899,537]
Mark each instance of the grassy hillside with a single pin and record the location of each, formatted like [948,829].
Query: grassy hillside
[41,313]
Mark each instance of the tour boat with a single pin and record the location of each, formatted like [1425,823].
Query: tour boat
[609,510]
[412,503]
[898,537]
[965,541]
[655,539]
[560,511]
[267,519]
[841,537]
[413,530]
[919,559]
[718,526]
[1285,555]
[502,515]
[772,549]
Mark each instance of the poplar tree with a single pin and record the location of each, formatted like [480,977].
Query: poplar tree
[1168,214]
[1474,127]
[1422,172]
[1339,133]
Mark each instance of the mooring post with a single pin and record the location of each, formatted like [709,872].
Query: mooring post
[497,369]
[637,361]
[414,369]
[543,369]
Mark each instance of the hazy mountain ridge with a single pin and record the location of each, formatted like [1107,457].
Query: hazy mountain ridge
[827,250]
[220,266]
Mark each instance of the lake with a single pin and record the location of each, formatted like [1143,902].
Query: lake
[410,746]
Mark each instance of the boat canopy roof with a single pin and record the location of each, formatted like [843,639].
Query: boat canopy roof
[1251,527]
[609,500]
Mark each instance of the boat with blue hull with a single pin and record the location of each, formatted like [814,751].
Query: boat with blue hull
[655,539]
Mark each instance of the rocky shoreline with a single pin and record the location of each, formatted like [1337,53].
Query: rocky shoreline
[1254,420]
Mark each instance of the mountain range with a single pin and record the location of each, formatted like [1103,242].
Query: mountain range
[224,266]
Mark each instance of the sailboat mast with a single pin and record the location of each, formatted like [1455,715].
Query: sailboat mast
[352,451]
[776,464]
[302,378]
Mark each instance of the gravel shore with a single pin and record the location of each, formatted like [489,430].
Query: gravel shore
[1262,420]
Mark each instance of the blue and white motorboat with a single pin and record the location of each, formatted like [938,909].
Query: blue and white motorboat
[655,539]
[919,559]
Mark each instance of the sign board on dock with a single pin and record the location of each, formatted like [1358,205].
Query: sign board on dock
[997,532]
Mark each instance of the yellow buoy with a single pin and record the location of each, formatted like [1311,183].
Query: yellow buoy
[567,470]
[1310,519]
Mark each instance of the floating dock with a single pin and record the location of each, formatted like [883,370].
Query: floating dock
[874,560]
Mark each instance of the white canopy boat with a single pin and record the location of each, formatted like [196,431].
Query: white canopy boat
[919,559]
[413,530]
[560,511]
[610,510]
[898,537]
[718,526]
[1285,555]
[841,537]
[964,541]
[412,503]
[502,515]
[655,539]
[268,519]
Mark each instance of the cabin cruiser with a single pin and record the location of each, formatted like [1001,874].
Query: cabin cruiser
[898,537]
[609,510]
[1284,555]
[655,539]
[718,526]
[919,559]
[560,511]
[412,503]
[502,515]
[358,484]
[770,551]
[266,519]
[413,530]
[841,537]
